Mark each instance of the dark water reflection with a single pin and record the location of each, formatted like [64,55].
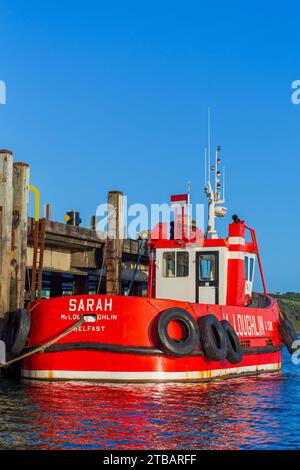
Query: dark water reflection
[248,413]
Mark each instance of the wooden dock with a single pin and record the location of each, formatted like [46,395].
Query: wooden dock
[42,258]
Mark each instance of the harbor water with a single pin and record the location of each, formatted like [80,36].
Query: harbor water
[249,413]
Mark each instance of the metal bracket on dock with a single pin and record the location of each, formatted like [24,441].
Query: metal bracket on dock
[2,352]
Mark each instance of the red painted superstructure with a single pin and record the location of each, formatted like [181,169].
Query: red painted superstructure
[236,281]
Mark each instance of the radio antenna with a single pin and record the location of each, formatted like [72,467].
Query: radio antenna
[214,193]
[208,140]
[188,191]
[205,169]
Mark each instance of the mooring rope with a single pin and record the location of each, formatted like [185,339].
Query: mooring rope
[46,345]
[141,250]
[109,215]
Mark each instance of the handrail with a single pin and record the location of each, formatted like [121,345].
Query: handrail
[36,192]
[254,241]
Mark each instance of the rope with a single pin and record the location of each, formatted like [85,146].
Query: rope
[44,346]
[153,305]
[140,251]
[104,253]
[102,268]
[27,273]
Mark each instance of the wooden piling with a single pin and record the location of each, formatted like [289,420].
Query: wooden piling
[19,234]
[6,208]
[56,286]
[81,285]
[113,257]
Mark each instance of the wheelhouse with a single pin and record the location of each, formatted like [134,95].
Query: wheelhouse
[209,271]
[187,265]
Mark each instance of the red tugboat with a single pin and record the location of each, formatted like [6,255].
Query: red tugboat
[200,320]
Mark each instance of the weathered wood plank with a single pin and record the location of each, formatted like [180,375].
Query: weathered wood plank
[84,259]
[113,258]
[19,235]
[6,204]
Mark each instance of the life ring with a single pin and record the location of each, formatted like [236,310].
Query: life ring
[288,334]
[212,338]
[172,347]
[234,349]
[15,330]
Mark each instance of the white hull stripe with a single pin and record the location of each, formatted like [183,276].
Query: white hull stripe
[236,255]
[236,241]
[146,376]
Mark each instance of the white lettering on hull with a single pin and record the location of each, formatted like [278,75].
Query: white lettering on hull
[78,307]
[76,316]
[90,305]
[89,328]
[249,325]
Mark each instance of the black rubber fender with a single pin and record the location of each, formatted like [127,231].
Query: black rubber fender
[173,347]
[16,329]
[212,338]
[288,334]
[234,348]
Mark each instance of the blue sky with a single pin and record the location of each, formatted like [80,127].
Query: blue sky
[114,95]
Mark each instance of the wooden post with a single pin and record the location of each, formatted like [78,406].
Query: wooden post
[113,257]
[19,235]
[6,205]
[81,285]
[56,286]
[42,229]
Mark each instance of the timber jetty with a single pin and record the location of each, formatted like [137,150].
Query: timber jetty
[42,258]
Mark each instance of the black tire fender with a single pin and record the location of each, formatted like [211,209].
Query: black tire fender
[288,334]
[169,346]
[234,349]
[212,338]
[16,330]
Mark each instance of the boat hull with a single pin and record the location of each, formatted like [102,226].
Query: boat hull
[122,344]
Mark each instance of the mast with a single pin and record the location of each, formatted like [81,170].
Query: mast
[187,216]
[188,192]
[208,140]
[213,193]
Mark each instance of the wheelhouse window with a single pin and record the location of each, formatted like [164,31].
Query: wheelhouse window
[169,264]
[249,268]
[246,268]
[176,264]
[182,264]
[207,271]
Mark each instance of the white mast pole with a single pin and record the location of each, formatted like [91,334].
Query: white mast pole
[208,141]
[213,189]
[211,233]
[205,168]
[216,177]
[188,215]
